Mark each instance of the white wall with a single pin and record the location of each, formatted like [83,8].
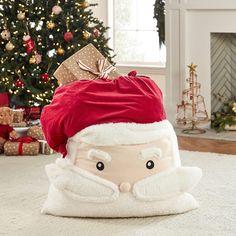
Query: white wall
[157,74]
[100,11]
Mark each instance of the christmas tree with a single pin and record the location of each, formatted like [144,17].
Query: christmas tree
[36,36]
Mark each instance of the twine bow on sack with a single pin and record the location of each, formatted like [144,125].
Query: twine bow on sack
[102,71]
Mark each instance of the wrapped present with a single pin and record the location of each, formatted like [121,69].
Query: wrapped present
[4,100]
[31,113]
[18,115]
[20,124]
[36,132]
[88,63]
[22,146]
[44,148]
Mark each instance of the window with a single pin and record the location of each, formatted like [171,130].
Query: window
[134,36]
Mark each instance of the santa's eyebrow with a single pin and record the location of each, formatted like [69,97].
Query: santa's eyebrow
[150,152]
[98,154]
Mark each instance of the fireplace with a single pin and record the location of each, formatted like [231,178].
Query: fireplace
[192,27]
[223,69]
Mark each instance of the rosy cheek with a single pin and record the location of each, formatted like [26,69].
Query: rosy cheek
[163,164]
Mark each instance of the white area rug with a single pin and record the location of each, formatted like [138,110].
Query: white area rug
[23,189]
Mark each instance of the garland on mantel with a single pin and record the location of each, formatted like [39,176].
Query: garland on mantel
[159,15]
[225,117]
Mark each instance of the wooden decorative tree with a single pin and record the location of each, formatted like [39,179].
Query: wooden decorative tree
[192,109]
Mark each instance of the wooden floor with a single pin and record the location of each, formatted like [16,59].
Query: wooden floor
[207,145]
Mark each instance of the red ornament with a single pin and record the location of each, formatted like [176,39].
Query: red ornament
[29,43]
[68,36]
[45,77]
[19,83]
[96,32]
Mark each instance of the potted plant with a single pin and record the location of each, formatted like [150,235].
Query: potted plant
[226,118]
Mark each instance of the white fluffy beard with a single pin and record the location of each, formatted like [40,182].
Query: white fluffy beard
[76,192]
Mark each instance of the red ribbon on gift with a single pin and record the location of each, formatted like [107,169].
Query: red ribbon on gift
[22,140]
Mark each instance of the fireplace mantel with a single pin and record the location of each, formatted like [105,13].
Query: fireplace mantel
[189,24]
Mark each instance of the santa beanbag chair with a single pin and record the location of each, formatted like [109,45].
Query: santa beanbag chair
[120,155]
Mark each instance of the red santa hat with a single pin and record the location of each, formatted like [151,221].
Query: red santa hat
[91,108]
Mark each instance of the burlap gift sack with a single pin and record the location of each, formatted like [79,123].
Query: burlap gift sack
[18,115]
[70,70]
[12,148]
[36,132]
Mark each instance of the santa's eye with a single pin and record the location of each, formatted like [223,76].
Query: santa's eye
[100,166]
[150,164]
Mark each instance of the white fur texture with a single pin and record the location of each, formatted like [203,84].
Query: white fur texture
[73,192]
[167,184]
[95,153]
[125,133]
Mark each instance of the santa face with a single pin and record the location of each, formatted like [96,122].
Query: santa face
[124,165]
[132,180]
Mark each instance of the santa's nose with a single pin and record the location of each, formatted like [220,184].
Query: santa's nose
[125,187]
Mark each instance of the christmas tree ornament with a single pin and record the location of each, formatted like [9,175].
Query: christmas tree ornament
[5,34]
[86,34]
[9,46]
[38,58]
[45,77]
[68,36]
[29,43]
[84,4]
[32,60]
[21,15]
[56,10]
[60,51]
[96,32]
[19,83]
[50,25]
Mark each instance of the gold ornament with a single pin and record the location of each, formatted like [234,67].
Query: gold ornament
[84,4]
[21,15]
[60,51]
[50,25]
[86,34]
[32,60]
[9,46]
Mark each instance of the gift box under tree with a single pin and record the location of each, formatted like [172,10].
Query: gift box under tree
[22,146]
[36,132]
